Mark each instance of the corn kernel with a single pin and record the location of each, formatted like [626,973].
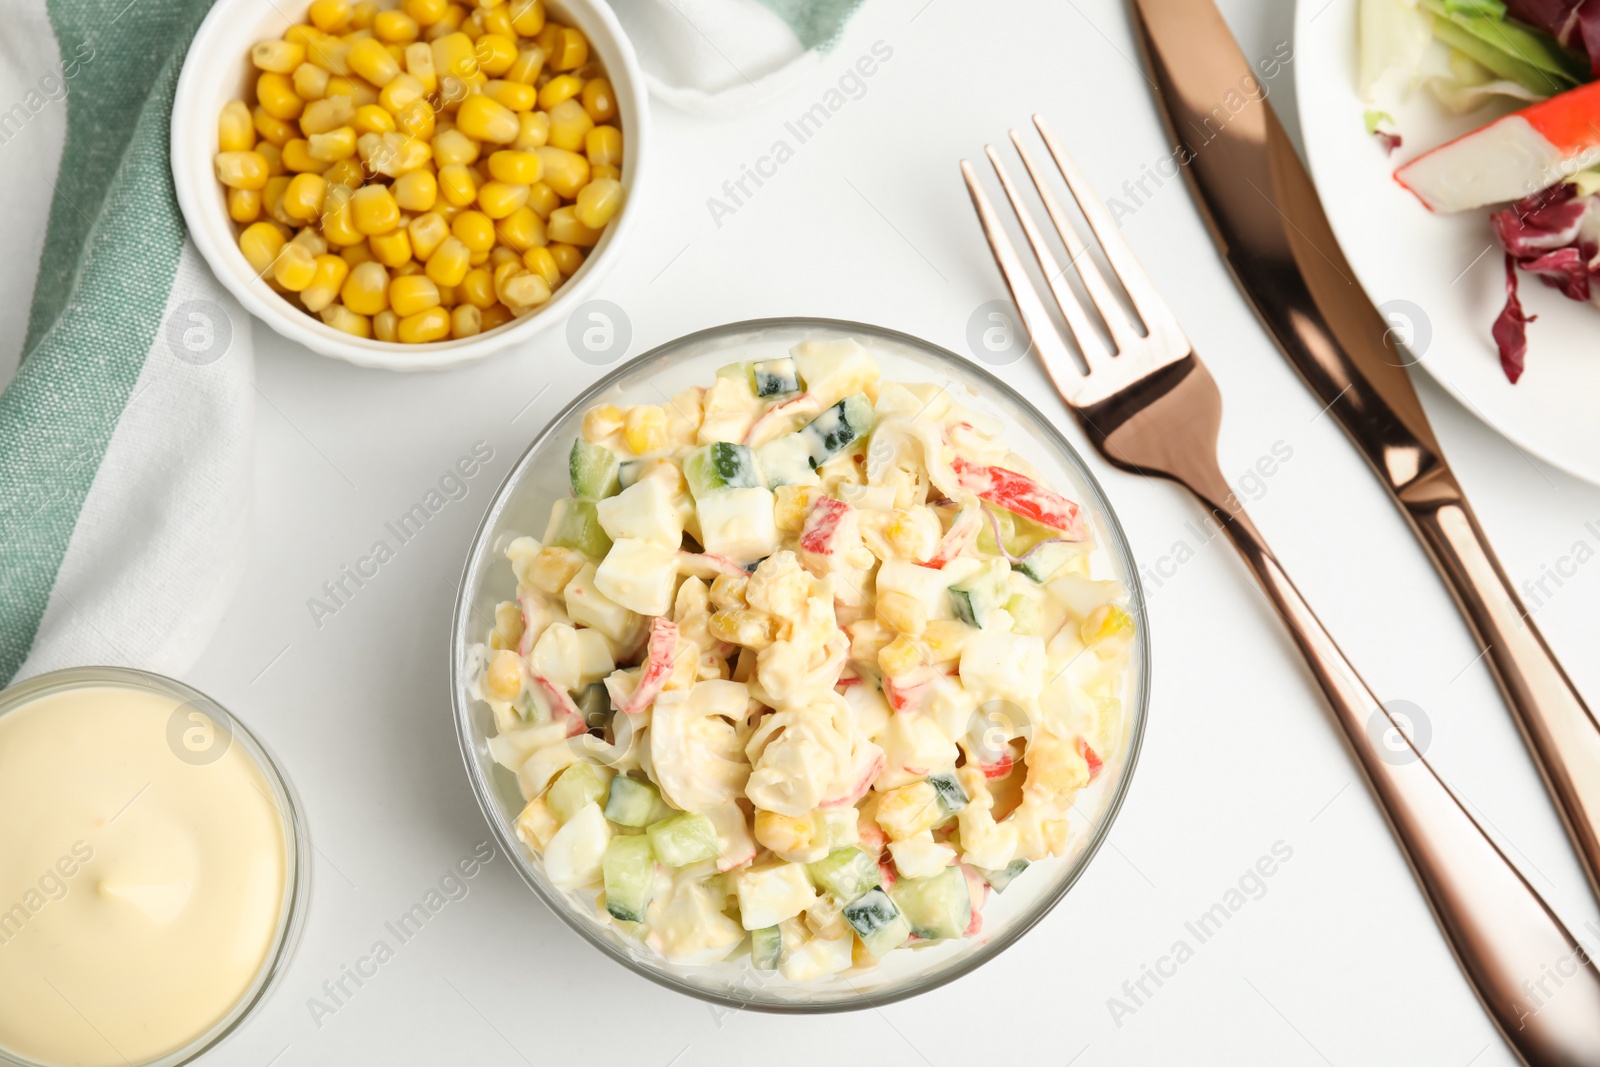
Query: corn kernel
[909,810]
[477,288]
[261,242]
[416,191]
[499,199]
[272,154]
[497,20]
[605,170]
[372,118]
[452,148]
[430,325]
[392,249]
[332,146]
[454,56]
[521,230]
[375,210]
[563,171]
[297,157]
[902,613]
[475,230]
[466,321]
[310,82]
[598,202]
[1107,623]
[944,639]
[552,568]
[426,12]
[495,53]
[327,114]
[502,254]
[783,833]
[270,127]
[242,170]
[356,254]
[599,99]
[370,59]
[310,239]
[364,14]
[244,205]
[395,27]
[344,320]
[525,71]
[458,184]
[427,231]
[385,326]
[539,260]
[571,50]
[235,131]
[412,294]
[568,257]
[543,199]
[569,125]
[417,119]
[449,262]
[419,64]
[565,228]
[561,87]
[324,288]
[742,626]
[495,316]
[329,54]
[485,120]
[603,146]
[520,289]
[546,38]
[345,172]
[600,422]
[533,130]
[899,656]
[513,95]
[303,198]
[330,16]
[366,290]
[294,267]
[527,16]
[277,57]
[275,92]
[645,428]
[272,200]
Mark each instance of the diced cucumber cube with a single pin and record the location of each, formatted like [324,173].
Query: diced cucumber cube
[998,880]
[938,906]
[580,784]
[766,947]
[962,603]
[879,923]
[1027,614]
[786,460]
[595,703]
[683,839]
[575,524]
[632,802]
[1045,561]
[774,377]
[593,470]
[845,872]
[629,870]
[628,472]
[952,798]
[720,465]
[839,427]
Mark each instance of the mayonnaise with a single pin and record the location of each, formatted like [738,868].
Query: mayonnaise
[142,875]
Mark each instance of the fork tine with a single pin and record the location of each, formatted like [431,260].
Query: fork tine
[1095,353]
[1053,350]
[1116,320]
[1157,316]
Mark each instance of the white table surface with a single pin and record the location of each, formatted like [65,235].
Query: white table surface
[1337,962]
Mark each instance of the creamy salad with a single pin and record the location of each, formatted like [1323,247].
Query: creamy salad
[807,664]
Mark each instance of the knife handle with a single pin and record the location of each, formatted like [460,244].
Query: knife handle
[1558,726]
[1502,932]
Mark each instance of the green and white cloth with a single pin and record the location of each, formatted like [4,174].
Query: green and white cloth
[124,457]
[127,371]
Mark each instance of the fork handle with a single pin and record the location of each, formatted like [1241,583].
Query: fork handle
[1538,984]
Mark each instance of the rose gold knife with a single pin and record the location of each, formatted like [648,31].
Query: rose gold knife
[1266,218]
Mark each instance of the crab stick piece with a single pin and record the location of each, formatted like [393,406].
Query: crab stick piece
[1511,157]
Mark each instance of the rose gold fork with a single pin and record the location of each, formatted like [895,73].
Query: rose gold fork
[1151,407]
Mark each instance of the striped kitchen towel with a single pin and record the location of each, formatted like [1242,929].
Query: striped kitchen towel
[125,421]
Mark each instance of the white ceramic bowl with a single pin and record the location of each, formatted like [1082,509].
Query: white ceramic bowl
[522,504]
[218,69]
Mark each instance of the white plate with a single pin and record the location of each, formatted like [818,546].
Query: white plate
[1440,278]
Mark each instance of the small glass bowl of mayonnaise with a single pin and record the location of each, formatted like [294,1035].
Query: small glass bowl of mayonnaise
[154,871]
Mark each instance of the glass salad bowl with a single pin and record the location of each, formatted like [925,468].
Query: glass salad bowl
[522,505]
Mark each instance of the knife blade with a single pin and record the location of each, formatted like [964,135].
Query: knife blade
[1267,220]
